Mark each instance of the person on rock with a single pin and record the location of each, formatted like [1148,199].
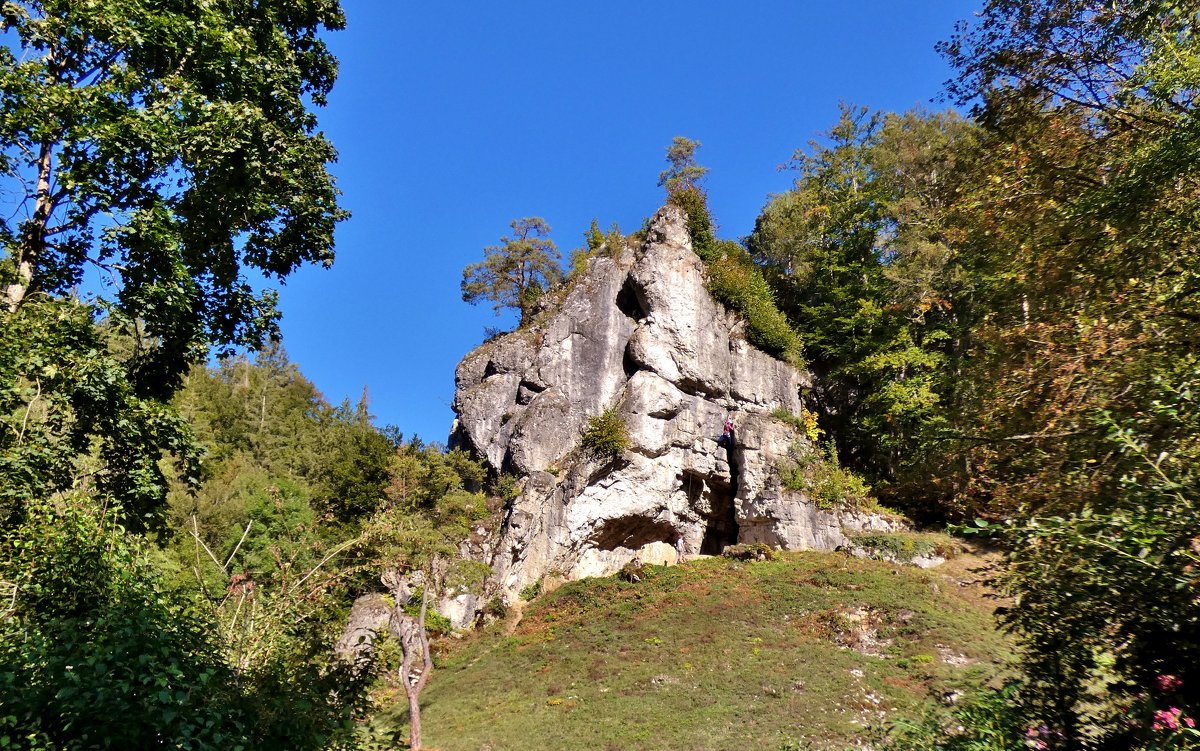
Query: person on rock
[726,438]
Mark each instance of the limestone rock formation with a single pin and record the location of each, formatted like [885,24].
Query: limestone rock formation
[637,332]
[368,617]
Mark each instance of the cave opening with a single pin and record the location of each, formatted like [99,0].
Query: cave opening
[629,303]
[633,532]
[715,502]
[720,527]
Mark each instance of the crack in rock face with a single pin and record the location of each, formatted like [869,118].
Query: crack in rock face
[637,333]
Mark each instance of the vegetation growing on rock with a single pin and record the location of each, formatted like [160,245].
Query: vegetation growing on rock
[606,434]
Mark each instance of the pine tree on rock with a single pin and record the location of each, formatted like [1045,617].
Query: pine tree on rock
[516,273]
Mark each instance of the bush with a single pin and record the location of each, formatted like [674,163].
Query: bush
[606,434]
[736,281]
[97,654]
[435,623]
[827,483]
[902,548]
[749,552]
[805,422]
[695,205]
[530,591]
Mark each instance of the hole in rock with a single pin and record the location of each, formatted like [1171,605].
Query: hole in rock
[721,527]
[629,365]
[714,501]
[629,303]
[632,532]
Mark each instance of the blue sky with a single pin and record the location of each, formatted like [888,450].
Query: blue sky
[453,119]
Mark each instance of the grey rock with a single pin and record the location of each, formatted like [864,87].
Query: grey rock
[368,617]
[640,334]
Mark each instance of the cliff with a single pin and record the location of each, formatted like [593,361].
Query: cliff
[637,332]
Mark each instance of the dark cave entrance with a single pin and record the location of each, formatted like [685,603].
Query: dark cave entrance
[633,532]
[721,527]
[715,501]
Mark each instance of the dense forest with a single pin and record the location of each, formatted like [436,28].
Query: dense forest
[1000,305]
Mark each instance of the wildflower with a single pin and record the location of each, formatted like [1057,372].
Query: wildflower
[1167,719]
[1168,683]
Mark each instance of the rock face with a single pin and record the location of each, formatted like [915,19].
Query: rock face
[638,333]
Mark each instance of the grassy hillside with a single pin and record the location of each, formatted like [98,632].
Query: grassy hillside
[716,654]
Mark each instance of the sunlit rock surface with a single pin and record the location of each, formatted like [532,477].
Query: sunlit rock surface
[638,333]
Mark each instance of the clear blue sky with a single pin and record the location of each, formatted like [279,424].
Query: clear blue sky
[453,119]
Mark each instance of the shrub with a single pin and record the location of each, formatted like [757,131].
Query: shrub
[96,653]
[737,282]
[749,552]
[695,205]
[505,487]
[826,482]
[902,548]
[435,622]
[611,244]
[496,608]
[786,416]
[606,434]
[531,591]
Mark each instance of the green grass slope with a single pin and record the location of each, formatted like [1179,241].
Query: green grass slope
[716,654]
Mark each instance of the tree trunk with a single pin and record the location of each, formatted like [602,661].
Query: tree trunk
[34,241]
[414,643]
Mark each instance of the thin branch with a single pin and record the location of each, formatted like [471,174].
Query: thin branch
[195,532]
[327,558]
[239,544]
[1015,438]
[28,409]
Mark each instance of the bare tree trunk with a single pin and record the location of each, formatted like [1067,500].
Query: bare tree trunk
[414,644]
[34,241]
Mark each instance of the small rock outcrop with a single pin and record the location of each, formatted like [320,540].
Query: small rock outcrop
[638,333]
[368,618]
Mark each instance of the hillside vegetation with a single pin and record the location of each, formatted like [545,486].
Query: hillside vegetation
[717,654]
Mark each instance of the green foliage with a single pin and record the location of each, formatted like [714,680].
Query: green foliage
[699,222]
[1127,615]
[1081,423]
[74,418]
[986,720]
[516,273]
[288,476]
[435,622]
[735,280]
[683,173]
[505,487]
[170,146]
[733,277]
[806,422]
[862,257]
[531,591]
[784,415]
[827,483]
[606,434]
[97,654]
[902,547]
[611,244]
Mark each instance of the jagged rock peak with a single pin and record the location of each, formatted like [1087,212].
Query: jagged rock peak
[637,332]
